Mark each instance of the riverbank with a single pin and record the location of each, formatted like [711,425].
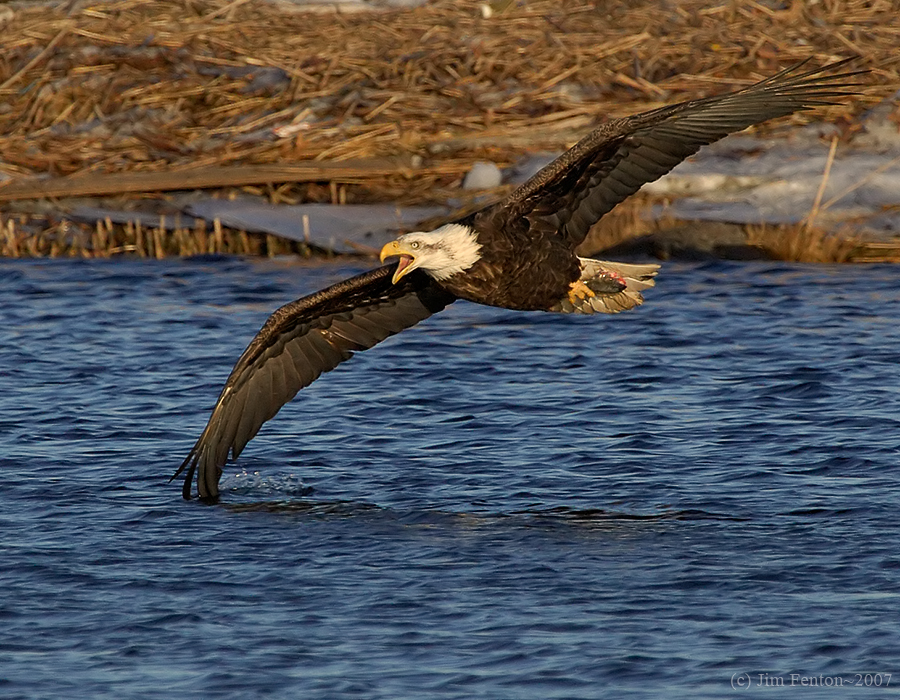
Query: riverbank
[155,107]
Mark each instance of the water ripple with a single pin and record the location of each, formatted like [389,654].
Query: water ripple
[491,505]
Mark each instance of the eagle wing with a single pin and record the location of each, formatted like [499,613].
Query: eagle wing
[614,161]
[297,343]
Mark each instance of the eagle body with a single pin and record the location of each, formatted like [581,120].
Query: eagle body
[515,270]
[517,253]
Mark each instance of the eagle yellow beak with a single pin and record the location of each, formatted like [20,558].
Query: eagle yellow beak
[393,250]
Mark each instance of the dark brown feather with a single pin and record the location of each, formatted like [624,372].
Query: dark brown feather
[298,342]
[613,162]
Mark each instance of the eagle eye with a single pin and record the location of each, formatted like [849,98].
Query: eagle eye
[414,245]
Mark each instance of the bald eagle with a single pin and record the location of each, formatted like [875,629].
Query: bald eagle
[518,253]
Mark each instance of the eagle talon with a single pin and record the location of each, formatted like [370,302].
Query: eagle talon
[579,291]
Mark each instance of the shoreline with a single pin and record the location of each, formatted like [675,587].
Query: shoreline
[132,105]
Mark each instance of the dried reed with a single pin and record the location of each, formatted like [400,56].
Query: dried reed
[804,243]
[174,85]
[106,239]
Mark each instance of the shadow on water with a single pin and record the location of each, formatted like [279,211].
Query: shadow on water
[559,516]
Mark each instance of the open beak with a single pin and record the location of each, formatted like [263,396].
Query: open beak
[405,264]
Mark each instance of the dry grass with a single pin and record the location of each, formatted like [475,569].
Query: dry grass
[29,237]
[166,86]
[803,243]
[624,222]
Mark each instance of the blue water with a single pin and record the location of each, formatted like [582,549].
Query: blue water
[490,505]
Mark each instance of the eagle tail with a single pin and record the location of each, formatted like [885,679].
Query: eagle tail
[607,287]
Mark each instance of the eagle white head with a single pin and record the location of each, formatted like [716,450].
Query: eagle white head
[441,253]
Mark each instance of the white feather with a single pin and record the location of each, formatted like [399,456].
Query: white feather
[446,251]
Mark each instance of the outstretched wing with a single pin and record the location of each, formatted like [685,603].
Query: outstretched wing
[298,342]
[614,161]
